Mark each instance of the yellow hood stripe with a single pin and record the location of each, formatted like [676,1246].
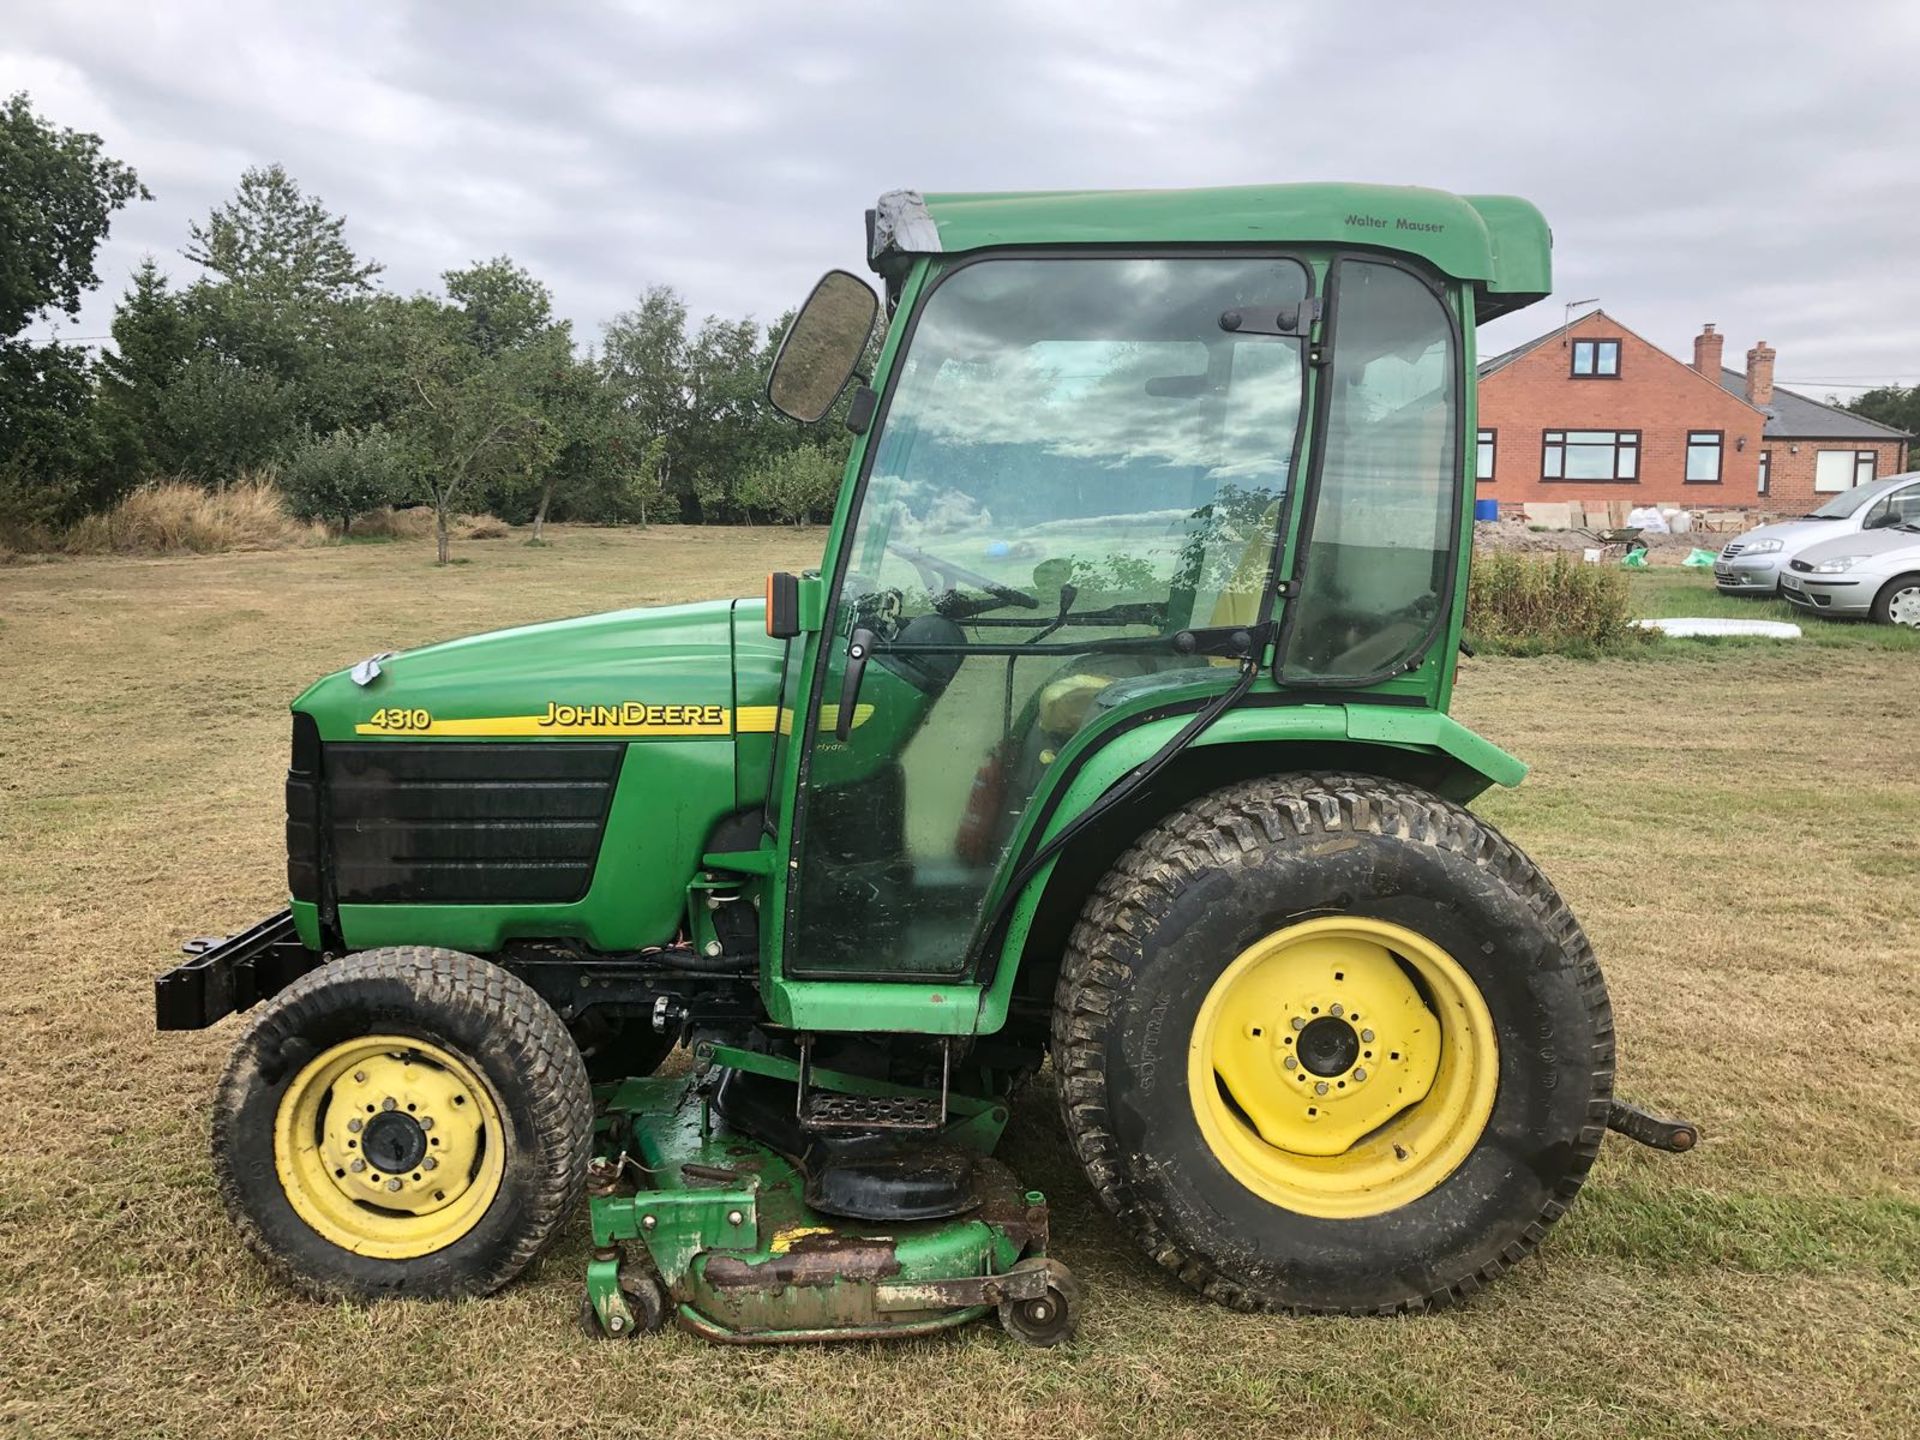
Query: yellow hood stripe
[622,721]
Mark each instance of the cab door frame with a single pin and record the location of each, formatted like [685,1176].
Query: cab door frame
[953,1007]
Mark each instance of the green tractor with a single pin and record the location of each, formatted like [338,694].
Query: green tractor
[1112,730]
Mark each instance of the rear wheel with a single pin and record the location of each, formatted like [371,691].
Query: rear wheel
[1327,1043]
[1898,602]
[402,1121]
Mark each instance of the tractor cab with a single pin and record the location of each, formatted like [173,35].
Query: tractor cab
[1098,482]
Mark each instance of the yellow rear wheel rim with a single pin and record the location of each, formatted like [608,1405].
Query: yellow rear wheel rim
[389,1147]
[1343,1067]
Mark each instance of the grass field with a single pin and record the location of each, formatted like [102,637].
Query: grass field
[1736,827]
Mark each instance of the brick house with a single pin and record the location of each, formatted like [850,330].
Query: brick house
[1594,412]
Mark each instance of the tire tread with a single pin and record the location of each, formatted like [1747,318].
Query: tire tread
[1208,833]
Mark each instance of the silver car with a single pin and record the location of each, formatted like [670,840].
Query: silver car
[1753,563]
[1874,574]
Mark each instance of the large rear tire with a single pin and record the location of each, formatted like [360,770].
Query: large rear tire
[408,1121]
[1327,1043]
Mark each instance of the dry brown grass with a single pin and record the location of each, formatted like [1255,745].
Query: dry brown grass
[179,517]
[172,516]
[1738,843]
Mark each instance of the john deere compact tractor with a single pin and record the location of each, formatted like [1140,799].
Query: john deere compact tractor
[1111,730]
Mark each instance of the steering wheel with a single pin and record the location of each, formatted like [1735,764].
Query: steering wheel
[956,575]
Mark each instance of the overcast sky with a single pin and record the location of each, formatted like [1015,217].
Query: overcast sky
[1755,164]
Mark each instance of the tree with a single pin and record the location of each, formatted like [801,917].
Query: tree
[505,307]
[644,358]
[57,198]
[342,476]
[287,301]
[152,343]
[1895,405]
[53,456]
[469,416]
[695,401]
[58,193]
[796,485]
[274,240]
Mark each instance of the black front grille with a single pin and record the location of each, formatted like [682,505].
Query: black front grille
[1798,565]
[303,811]
[425,822]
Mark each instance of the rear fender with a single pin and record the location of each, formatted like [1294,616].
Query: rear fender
[1418,745]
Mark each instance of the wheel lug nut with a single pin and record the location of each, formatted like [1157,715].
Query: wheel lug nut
[359,1077]
[1359,1075]
[1321,1088]
[432,1164]
[1367,1036]
[357,1166]
[1335,1010]
[393,1184]
[1290,1063]
[426,1122]
[354,1125]
[389,1103]
[1299,1023]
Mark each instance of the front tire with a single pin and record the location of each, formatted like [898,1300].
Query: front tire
[1327,1043]
[1898,602]
[407,1121]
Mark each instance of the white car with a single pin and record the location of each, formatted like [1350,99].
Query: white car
[1873,574]
[1754,563]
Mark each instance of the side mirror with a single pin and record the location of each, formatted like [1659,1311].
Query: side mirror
[794,603]
[783,605]
[823,346]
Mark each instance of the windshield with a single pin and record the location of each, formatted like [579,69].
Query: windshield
[1086,422]
[1847,502]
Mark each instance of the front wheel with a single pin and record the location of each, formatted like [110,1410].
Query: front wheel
[1898,602]
[409,1121]
[1328,1043]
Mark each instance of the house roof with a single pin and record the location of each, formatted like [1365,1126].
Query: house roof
[1792,415]
[1507,357]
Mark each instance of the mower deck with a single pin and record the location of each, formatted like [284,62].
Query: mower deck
[693,1219]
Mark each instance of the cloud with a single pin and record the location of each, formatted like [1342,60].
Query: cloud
[1750,165]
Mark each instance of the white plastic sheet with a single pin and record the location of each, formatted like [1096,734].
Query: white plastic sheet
[1698,627]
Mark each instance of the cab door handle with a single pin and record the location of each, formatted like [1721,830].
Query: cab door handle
[859,647]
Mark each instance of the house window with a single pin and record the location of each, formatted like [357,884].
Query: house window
[1766,470]
[1483,456]
[1596,359]
[1590,455]
[1703,456]
[1837,470]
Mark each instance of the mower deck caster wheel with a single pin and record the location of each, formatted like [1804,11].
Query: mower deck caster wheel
[1048,1319]
[647,1300]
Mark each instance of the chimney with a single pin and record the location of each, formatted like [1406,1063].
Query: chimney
[1760,374]
[1706,352]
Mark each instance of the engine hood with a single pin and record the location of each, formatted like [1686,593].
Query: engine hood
[1795,535]
[659,673]
[1892,542]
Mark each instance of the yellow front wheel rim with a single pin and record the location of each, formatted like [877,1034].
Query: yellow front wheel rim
[1343,1067]
[389,1147]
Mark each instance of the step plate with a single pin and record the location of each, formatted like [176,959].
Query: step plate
[826,1110]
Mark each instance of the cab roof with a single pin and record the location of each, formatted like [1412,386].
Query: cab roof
[1499,243]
